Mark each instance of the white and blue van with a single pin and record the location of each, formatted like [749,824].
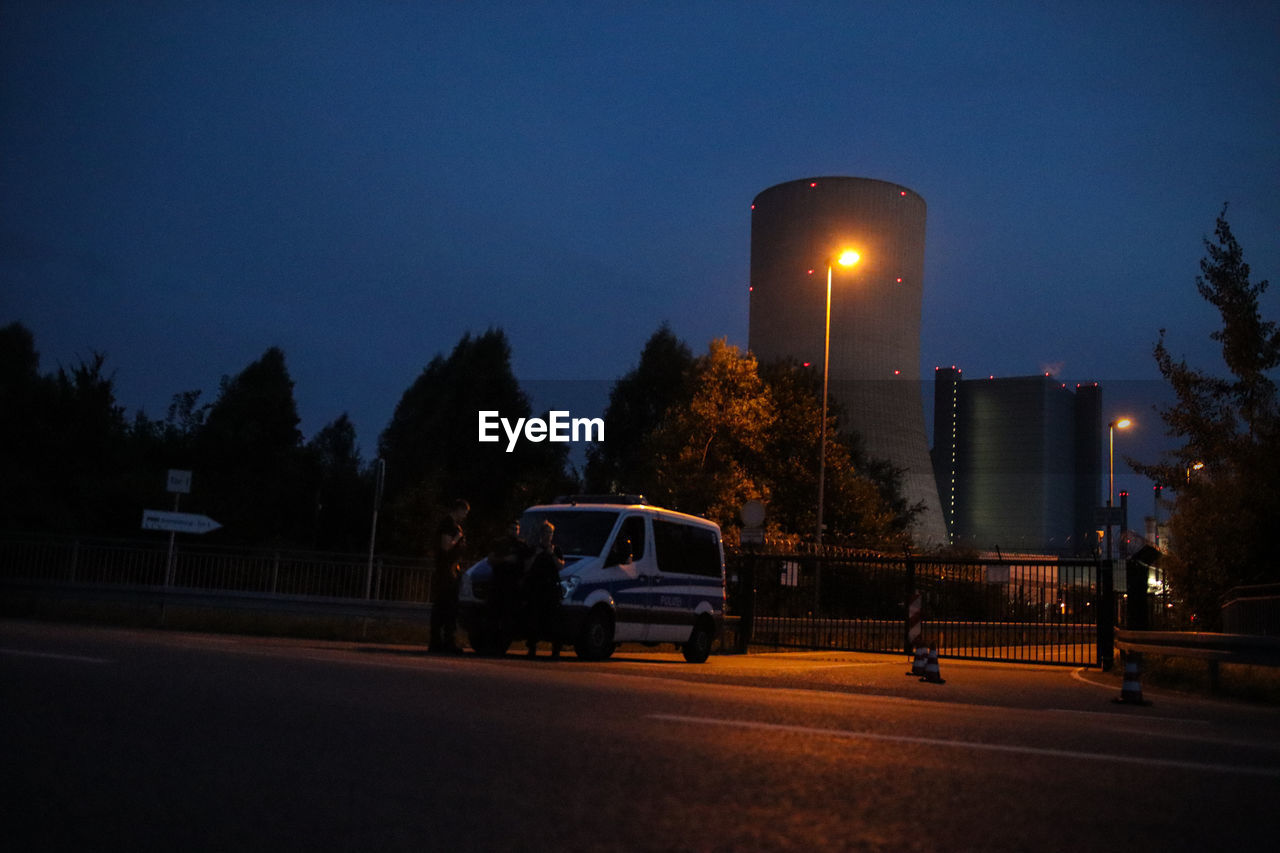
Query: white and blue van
[633,573]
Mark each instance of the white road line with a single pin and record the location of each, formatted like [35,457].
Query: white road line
[1270,772]
[22,653]
[1078,675]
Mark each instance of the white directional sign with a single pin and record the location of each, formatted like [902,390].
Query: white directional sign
[178,522]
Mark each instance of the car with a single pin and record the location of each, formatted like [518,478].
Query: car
[633,572]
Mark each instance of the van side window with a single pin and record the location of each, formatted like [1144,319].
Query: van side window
[685,549]
[633,529]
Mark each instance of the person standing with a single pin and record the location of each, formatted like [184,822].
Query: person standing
[449,543]
[542,583]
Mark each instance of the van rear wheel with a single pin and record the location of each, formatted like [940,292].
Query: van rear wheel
[596,640]
[698,648]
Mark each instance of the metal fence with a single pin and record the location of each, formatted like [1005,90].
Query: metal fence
[147,563]
[1034,610]
[1028,610]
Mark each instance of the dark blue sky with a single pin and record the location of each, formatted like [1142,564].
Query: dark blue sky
[183,185]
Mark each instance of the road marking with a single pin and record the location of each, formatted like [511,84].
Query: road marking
[1269,772]
[21,653]
[1078,675]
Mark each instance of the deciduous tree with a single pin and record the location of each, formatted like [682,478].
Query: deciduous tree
[1228,464]
[433,455]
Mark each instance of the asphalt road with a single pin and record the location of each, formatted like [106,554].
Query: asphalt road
[144,740]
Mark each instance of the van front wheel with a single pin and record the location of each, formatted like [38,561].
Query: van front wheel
[698,649]
[596,640]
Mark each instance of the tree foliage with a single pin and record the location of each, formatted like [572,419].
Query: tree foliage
[249,450]
[1228,463]
[63,442]
[343,489]
[705,435]
[433,456]
[638,405]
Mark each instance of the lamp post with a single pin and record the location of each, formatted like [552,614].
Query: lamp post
[1119,423]
[847,258]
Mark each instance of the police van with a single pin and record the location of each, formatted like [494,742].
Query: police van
[633,572]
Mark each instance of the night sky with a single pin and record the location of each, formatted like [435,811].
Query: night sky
[183,185]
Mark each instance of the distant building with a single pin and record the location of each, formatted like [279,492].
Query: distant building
[796,230]
[1018,462]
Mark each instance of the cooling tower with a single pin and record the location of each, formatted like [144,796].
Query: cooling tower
[797,229]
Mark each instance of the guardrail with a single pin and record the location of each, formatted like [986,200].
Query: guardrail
[1226,648]
[24,597]
[1214,649]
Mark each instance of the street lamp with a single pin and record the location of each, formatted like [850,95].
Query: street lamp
[1119,423]
[846,258]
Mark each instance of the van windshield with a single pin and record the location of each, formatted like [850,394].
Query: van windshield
[579,532]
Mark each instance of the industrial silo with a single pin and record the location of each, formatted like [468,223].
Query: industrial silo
[797,229]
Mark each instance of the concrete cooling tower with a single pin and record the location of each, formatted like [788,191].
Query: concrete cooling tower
[798,228]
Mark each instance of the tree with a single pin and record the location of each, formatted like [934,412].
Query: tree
[638,405]
[25,399]
[63,443]
[705,435]
[248,452]
[1222,524]
[708,454]
[865,507]
[433,456]
[343,491]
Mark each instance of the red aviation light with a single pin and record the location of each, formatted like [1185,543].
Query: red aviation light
[810,272]
[813,184]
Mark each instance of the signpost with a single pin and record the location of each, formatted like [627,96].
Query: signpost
[179,483]
[752,532]
[177,522]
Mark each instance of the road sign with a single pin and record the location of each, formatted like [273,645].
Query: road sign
[179,481]
[178,522]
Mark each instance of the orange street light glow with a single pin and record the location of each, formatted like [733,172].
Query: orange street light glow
[848,258]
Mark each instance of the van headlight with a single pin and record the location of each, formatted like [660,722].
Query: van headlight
[567,586]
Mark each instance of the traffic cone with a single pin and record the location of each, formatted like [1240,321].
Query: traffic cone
[919,661]
[1131,687]
[931,672]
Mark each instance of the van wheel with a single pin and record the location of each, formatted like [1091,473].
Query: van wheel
[596,640]
[698,649]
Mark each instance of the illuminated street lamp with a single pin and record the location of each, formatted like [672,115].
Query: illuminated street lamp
[846,258]
[1119,423]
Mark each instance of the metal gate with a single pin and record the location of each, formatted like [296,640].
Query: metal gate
[1026,610]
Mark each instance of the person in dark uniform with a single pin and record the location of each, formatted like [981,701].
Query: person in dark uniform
[542,585]
[449,543]
[507,561]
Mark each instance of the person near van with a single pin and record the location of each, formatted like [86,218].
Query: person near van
[507,560]
[542,585]
[449,543]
